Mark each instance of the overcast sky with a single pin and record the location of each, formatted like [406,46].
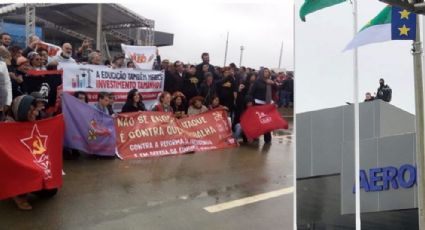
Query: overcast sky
[199,27]
[324,75]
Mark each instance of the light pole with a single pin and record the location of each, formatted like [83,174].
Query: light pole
[225,51]
[240,59]
[418,7]
[280,56]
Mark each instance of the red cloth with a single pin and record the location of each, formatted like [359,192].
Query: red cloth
[30,156]
[257,120]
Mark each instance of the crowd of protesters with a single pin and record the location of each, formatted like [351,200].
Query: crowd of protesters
[188,89]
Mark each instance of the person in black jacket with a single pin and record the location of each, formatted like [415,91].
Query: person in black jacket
[134,102]
[227,90]
[242,96]
[286,92]
[208,89]
[191,85]
[174,78]
[384,91]
[208,68]
[261,92]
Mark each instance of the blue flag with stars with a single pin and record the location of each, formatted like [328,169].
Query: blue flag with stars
[403,24]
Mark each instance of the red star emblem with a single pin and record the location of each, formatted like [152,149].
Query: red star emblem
[36,143]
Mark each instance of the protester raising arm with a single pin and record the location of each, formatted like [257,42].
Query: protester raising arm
[33,41]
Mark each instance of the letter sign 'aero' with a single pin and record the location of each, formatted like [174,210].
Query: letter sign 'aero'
[386,178]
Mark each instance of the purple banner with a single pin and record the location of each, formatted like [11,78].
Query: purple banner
[86,128]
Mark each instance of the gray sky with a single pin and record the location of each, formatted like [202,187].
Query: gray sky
[324,75]
[199,27]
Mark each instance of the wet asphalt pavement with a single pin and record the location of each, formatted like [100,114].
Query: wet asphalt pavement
[168,192]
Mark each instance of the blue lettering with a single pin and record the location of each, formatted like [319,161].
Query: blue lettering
[381,179]
[390,176]
[374,179]
[404,169]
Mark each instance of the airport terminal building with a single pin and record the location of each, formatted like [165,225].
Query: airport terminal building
[325,168]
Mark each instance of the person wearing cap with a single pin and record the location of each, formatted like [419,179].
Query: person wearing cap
[24,108]
[118,61]
[22,67]
[196,106]
[5,82]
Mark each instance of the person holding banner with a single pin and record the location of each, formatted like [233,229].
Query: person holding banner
[84,51]
[24,109]
[178,103]
[102,102]
[95,58]
[164,104]
[134,102]
[33,42]
[216,104]
[261,92]
[196,106]
[118,62]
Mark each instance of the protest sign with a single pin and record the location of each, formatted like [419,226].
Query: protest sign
[143,57]
[87,129]
[52,50]
[30,156]
[150,134]
[93,79]
[46,82]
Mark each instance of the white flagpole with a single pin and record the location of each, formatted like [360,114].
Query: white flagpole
[356,121]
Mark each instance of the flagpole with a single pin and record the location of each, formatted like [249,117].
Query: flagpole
[227,46]
[356,121]
[419,112]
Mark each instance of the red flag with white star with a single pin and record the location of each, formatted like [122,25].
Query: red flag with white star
[30,156]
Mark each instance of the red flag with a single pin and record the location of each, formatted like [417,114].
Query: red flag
[257,120]
[30,156]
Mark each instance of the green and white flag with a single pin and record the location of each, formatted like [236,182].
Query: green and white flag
[392,23]
[311,6]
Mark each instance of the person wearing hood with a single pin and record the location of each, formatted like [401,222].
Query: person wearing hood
[24,109]
[384,91]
